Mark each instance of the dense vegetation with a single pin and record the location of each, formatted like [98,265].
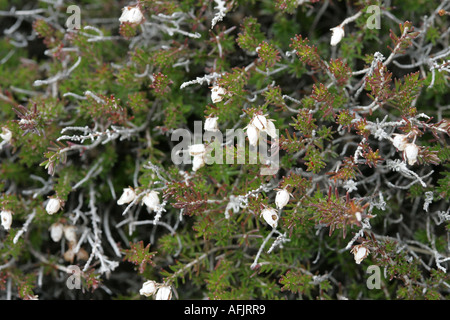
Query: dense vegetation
[351,98]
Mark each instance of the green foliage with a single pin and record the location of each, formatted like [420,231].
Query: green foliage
[250,36]
[89,116]
[139,255]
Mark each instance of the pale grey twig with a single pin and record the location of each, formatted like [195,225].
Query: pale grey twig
[25,226]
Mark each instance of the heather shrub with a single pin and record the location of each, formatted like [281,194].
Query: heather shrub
[219,149]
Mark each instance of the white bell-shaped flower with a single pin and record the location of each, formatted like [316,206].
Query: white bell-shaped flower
[151,200]
[411,152]
[70,233]
[6,134]
[53,205]
[211,124]
[400,141]
[148,288]
[360,252]
[198,162]
[337,35]
[217,93]
[253,134]
[270,215]
[164,293]
[271,129]
[56,231]
[6,217]
[132,15]
[197,149]
[127,196]
[282,198]
[260,122]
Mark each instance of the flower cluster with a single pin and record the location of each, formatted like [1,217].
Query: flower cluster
[160,291]
[258,124]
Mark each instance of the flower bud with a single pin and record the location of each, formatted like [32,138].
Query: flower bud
[148,288]
[197,149]
[127,196]
[411,152]
[400,141]
[198,162]
[53,205]
[217,94]
[6,134]
[360,252]
[132,15]
[211,124]
[164,293]
[271,216]
[338,34]
[151,200]
[282,198]
[6,217]
[253,134]
[70,233]
[56,231]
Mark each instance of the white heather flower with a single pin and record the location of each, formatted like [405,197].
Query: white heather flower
[271,129]
[217,94]
[53,205]
[164,293]
[359,253]
[260,122]
[271,216]
[253,134]
[358,216]
[338,34]
[6,217]
[127,196]
[148,288]
[56,231]
[70,233]
[198,152]
[400,141]
[132,15]
[197,162]
[411,152]
[282,198]
[197,149]
[151,200]
[6,134]
[211,124]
